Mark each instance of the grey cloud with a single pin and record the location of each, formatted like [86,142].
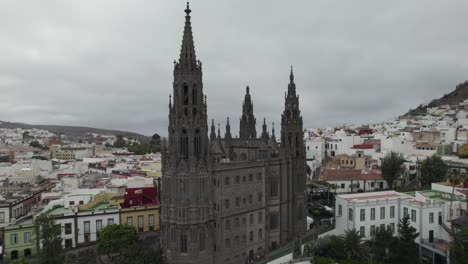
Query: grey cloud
[109,63]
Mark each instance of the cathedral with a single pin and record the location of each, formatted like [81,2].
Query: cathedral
[226,199]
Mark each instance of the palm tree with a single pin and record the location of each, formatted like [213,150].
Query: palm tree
[454,179]
[353,243]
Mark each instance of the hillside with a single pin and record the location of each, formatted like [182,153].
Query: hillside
[76,132]
[455,97]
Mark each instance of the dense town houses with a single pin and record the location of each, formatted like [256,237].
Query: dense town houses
[84,185]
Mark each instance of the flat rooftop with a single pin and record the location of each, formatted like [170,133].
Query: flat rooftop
[437,196]
[384,195]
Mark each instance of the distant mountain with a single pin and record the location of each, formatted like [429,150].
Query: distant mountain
[75,132]
[457,96]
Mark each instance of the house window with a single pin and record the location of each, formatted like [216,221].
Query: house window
[244,221]
[260,197]
[350,214]
[27,237]
[405,211]
[431,218]
[260,217]
[260,233]
[251,236]
[98,226]
[2,217]
[227,224]
[259,176]
[151,221]
[236,222]
[237,179]
[362,231]
[68,229]
[340,210]
[226,181]
[129,220]
[372,230]
[237,201]
[250,198]
[226,204]
[413,215]
[140,223]
[392,211]
[392,227]
[227,243]
[87,231]
[251,219]
[71,203]
[110,221]
[342,186]
[382,212]
[382,226]
[250,177]
[363,215]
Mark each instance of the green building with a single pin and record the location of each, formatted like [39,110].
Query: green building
[444,150]
[20,241]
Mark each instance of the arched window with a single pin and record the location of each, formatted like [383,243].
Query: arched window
[185,94]
[201,241]
[184,144]
[183,242]
[194,94]
[196,143]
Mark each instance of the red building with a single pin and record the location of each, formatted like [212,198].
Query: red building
[140,197]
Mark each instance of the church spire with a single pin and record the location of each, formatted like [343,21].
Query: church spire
[273,137]
[219,131]
[213,131]
[291,121]
[187,51]
[247,122]
[264,131]
[291,85]
[227,134]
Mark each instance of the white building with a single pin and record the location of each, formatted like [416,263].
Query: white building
[367,211]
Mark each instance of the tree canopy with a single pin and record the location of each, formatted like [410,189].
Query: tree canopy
[49,234]
[114,238]
[432,169]
[119,244]
[392,167]
[459,246]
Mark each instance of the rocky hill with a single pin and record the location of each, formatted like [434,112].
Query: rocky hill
[455,97]
[76,132]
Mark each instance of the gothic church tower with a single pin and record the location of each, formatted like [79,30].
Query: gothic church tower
[187,225]
[292,144]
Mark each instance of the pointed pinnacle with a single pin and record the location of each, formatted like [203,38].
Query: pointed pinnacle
[187,10]
[291,75]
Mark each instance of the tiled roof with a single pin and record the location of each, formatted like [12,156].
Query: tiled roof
[348,175]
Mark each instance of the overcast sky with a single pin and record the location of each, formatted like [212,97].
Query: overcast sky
[109,64]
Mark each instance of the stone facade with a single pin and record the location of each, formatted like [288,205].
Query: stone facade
[226,199]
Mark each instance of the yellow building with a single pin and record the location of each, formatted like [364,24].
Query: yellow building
[143,218]
[63,155]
